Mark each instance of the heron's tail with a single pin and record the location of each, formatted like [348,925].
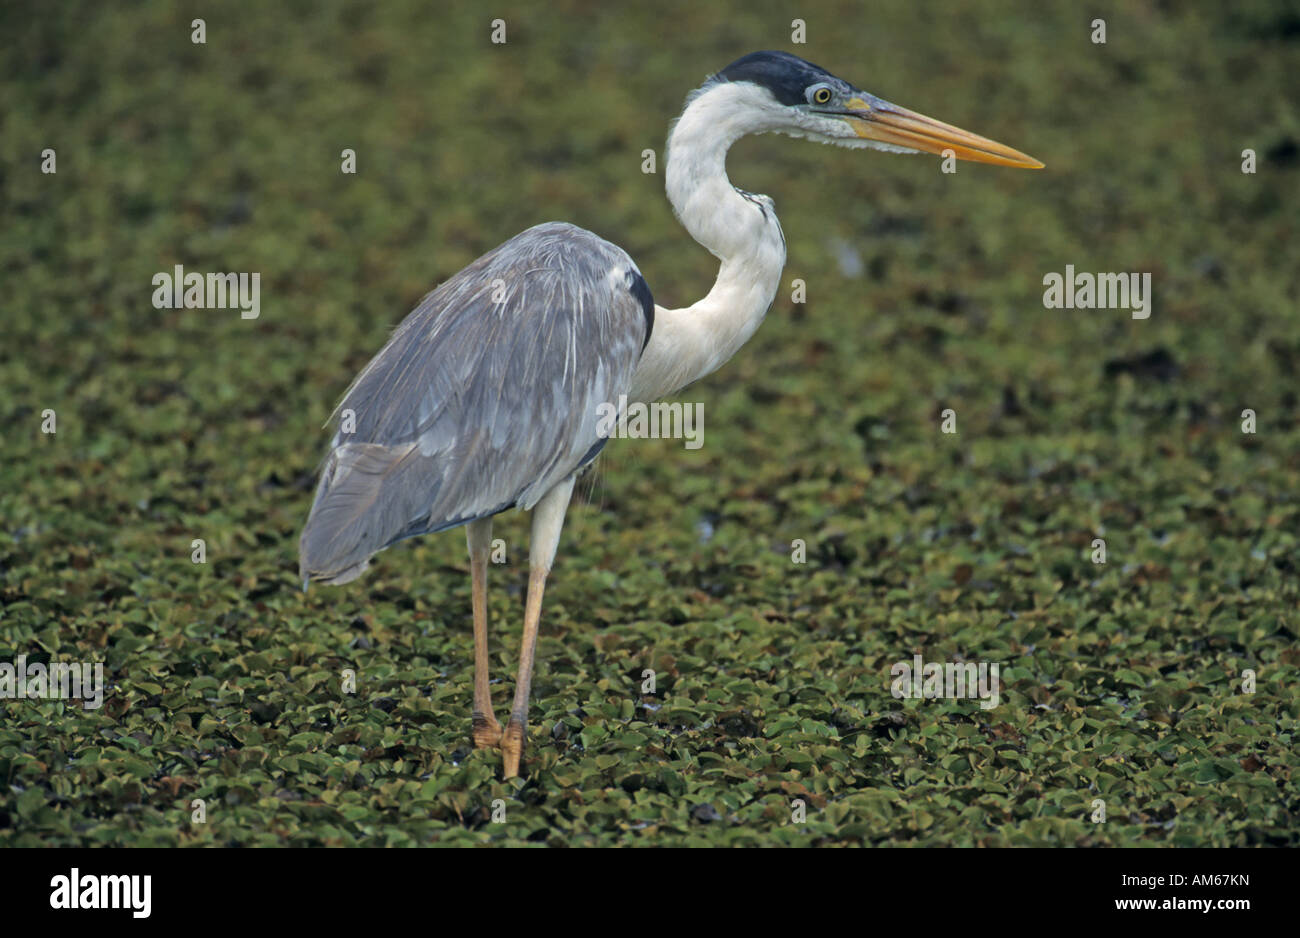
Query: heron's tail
[366,499]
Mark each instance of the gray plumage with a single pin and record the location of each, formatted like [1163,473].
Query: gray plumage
[484,397]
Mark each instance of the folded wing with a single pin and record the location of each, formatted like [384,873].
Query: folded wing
[486,396]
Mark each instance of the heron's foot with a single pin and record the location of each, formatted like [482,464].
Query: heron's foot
[486,730]
[512,747]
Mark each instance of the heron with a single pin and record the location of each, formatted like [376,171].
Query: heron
[486,396]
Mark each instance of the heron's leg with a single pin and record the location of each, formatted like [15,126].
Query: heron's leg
[486,729]
[548,520]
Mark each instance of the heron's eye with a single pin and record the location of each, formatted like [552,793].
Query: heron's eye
[819,94]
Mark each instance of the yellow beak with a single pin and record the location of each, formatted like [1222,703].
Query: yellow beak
[888,123]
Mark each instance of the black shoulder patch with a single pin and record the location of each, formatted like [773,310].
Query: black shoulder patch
[641,290]
[592,453]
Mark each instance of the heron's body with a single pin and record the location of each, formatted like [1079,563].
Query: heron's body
[488,395]
[484,398]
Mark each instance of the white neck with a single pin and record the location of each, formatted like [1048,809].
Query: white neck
[741,231]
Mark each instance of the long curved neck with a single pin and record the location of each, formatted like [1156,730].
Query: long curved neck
[741,230]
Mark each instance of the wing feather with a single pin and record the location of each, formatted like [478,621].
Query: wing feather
[484,397]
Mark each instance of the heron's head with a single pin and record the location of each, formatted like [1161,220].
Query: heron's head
[803,100]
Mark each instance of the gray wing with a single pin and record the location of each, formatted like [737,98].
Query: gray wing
[485,397]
